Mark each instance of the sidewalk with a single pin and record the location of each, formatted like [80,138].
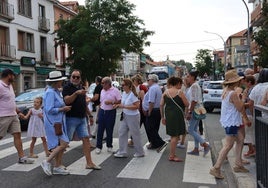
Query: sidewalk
[243,180]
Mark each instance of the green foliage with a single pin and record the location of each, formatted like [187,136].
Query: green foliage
[99,34]
[203,62]
[188,65]
[261,38]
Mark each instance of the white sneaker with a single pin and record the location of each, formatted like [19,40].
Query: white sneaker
[61,171]
[46,167]
[25,160]
[138,155]
[98,151]
[181,146]
[119,155]
[110,150]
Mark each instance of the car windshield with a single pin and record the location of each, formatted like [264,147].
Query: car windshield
[161,75]
[30,95]
[214,86]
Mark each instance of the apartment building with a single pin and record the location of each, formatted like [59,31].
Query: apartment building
[27,41]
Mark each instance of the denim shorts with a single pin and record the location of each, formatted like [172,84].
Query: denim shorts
[78,125]
[231,131]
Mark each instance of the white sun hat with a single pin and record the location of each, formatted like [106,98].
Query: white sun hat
[55,76]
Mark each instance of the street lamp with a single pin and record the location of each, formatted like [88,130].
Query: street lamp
[224,45]
[248,39]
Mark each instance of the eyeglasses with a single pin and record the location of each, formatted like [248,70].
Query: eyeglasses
[76,77]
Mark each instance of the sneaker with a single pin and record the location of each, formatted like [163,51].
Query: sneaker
[61,171]
[25,160]
[46,167]
[119,155]
[196,153]
[110,150]
[98,151]
[181,146]
[138,155]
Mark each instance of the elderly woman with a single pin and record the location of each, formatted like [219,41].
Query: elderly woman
[130,123]
[55,124]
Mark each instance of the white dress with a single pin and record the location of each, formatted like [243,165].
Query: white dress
[36,125]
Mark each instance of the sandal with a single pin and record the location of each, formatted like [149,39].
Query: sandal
[241,169]
[250,154]
[245,162]
[216,173]
[175,159]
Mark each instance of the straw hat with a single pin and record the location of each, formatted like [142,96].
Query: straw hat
[231,76]
[55,76]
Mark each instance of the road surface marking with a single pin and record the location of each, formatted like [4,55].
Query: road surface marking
[141,168]
[78,167]
[37,162]
[196,168]
[8,140]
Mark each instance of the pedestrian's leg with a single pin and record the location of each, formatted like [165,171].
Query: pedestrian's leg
[18,144]
[229,142]
[110,121]
[32,147]
[192,131]
[123,137]
[134,129]
[173,144]
[101,128]
[45,146]
[87,152]
[200,125]
[239,146]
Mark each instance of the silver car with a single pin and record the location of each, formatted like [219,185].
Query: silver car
[212,95]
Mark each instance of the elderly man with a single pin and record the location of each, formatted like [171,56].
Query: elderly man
[8,114]
[76,119]
[151,108]
[109,97]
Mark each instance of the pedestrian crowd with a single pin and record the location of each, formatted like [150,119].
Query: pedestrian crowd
[63,115]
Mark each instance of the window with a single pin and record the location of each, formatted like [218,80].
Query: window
[25,7]
[25,41]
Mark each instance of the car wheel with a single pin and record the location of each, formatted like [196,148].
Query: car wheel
[209,109]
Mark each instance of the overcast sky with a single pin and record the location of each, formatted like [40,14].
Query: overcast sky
[179,25]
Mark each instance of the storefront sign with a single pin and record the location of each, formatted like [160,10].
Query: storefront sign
[28,61]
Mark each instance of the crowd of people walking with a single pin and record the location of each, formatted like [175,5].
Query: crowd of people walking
[62,116]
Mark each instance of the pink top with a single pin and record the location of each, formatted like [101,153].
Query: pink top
[112,94]
[7,100]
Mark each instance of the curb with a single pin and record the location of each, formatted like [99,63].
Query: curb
[243,180]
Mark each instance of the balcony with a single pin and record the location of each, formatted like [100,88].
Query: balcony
[256,17]
[45,58]
[6,11]
[43,24]
[7,51]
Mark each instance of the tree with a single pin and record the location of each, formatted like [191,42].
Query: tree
[99,34]
[261,38]
[182,62]
[203,62]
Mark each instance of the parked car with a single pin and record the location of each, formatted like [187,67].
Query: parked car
[212,95]
[24,102]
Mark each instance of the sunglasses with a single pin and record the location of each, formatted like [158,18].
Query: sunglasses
[76,77]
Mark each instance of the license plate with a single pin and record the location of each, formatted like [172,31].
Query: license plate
[215,95]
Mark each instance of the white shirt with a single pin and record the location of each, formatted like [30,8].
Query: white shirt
[230,116]
[127,100]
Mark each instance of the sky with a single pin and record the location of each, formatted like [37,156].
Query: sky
[180,25]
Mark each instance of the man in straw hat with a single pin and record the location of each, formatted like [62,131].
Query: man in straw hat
[9,114]
[231,121]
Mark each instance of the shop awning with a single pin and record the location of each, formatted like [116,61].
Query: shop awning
[15,68]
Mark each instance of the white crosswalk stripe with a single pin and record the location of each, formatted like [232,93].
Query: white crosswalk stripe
[8,140]
[78,167]
[197,167]
[141,168]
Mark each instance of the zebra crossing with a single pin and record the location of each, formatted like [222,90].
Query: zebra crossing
[196,168]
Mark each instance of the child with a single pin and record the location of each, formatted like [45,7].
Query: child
[36,127]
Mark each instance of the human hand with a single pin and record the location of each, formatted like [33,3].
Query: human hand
[108,102]
[164,121]
[66,108]
[81,92]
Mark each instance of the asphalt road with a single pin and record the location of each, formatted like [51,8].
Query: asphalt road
[154,170]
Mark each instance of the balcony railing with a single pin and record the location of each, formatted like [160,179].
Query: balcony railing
[7,51]
[45,58]
[43,24]
[7,10]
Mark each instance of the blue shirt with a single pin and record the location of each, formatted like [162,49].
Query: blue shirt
[153,95]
